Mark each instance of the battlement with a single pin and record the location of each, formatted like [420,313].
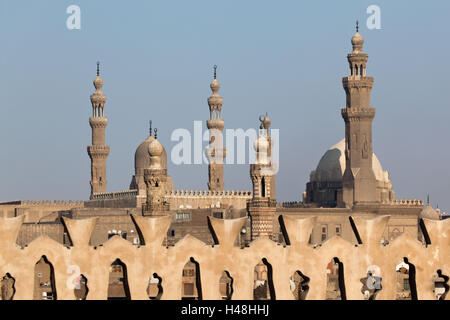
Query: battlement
[209,193]
[408,202]
[44,203]
[151,257]
[115,195]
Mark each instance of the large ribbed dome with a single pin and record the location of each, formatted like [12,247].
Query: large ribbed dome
[142,156]
[332,165]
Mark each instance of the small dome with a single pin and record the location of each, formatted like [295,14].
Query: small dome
[98,83]
[155,149]
[357,39]
[429,213]
[357,42]
[215,85]
[332,165]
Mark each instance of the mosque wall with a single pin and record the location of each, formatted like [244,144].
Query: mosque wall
[142,261]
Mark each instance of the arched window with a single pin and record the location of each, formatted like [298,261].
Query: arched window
[263,288]
[154,289]
[44,280]
[335,280]
[263,187]
[299,285]
[118,282]
[226,286]
[191,284]
[7,287]
[81,290]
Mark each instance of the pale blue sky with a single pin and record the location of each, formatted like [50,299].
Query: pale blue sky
[286,58]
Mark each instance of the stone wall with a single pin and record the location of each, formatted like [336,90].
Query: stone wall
[143,261]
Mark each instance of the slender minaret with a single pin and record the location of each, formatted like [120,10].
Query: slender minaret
[262,206]
[359,182]
[216,153]
[98,151]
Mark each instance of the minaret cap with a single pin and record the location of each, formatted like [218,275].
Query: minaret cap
[98,82]
[215,85]
[98,98]
[215,100]
[357,40]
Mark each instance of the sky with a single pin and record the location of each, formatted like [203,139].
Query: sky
[286,58]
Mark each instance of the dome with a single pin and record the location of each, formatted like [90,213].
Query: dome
[332,165]
[155,148]
[215,85]
[357,42]
[142,156]
[98,82]
[429,213]
[357,39]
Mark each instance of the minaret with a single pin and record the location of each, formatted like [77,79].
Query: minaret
[359,182]
[155,178]
[216,153]
[262,207]
[98,151]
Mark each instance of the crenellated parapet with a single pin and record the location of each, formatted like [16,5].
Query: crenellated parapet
[150,257]
[208,193]
[124,194]
[48,203]
[407,202]
[195,199]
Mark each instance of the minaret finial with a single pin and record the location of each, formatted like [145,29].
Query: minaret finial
[215,71]
[156,133]
[357,26]
[428,199]
[98,68]
[150,127]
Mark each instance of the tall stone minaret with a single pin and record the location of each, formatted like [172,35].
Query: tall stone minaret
[98,151]
[359,182]
[155,178]
[216,153]
[262,206]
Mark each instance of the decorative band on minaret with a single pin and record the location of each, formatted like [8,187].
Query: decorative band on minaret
[359,181]
[98,151]
[215,153]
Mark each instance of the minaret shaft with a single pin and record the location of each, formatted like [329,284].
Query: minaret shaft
[98,151]
[359,181]
[216,152]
